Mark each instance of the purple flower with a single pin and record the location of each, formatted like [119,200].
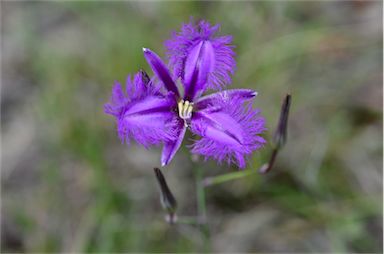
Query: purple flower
[154,111]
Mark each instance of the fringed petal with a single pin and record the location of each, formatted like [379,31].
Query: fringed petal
[232,94]
[117,100]
[142,113]
[216,51]
[229,131]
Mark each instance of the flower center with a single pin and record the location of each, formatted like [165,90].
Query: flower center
[185,110]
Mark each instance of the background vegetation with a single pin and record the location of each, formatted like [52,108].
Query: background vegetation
[69,185]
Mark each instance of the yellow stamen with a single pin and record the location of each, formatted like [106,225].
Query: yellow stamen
[189,110]
[180,107]
[185,109]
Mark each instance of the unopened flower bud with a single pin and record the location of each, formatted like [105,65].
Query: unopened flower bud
[280,136]
[144,77]
[167,199]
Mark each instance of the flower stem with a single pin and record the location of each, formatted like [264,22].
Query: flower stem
[209,181]
[201,207]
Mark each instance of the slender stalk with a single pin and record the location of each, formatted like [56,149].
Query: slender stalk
[268,166]
[209,181]
[202,207]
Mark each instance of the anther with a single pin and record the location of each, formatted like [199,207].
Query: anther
[185,110]
[180,108]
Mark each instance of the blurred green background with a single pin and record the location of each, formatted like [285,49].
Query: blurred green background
[69,185]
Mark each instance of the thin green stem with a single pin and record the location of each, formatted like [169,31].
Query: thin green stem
[202,207]
[209,181]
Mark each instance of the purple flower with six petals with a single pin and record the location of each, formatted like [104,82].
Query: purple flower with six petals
[153,111]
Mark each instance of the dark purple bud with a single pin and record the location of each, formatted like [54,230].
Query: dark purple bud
[280,136]
[268,166]
[145,77]
[167,199]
